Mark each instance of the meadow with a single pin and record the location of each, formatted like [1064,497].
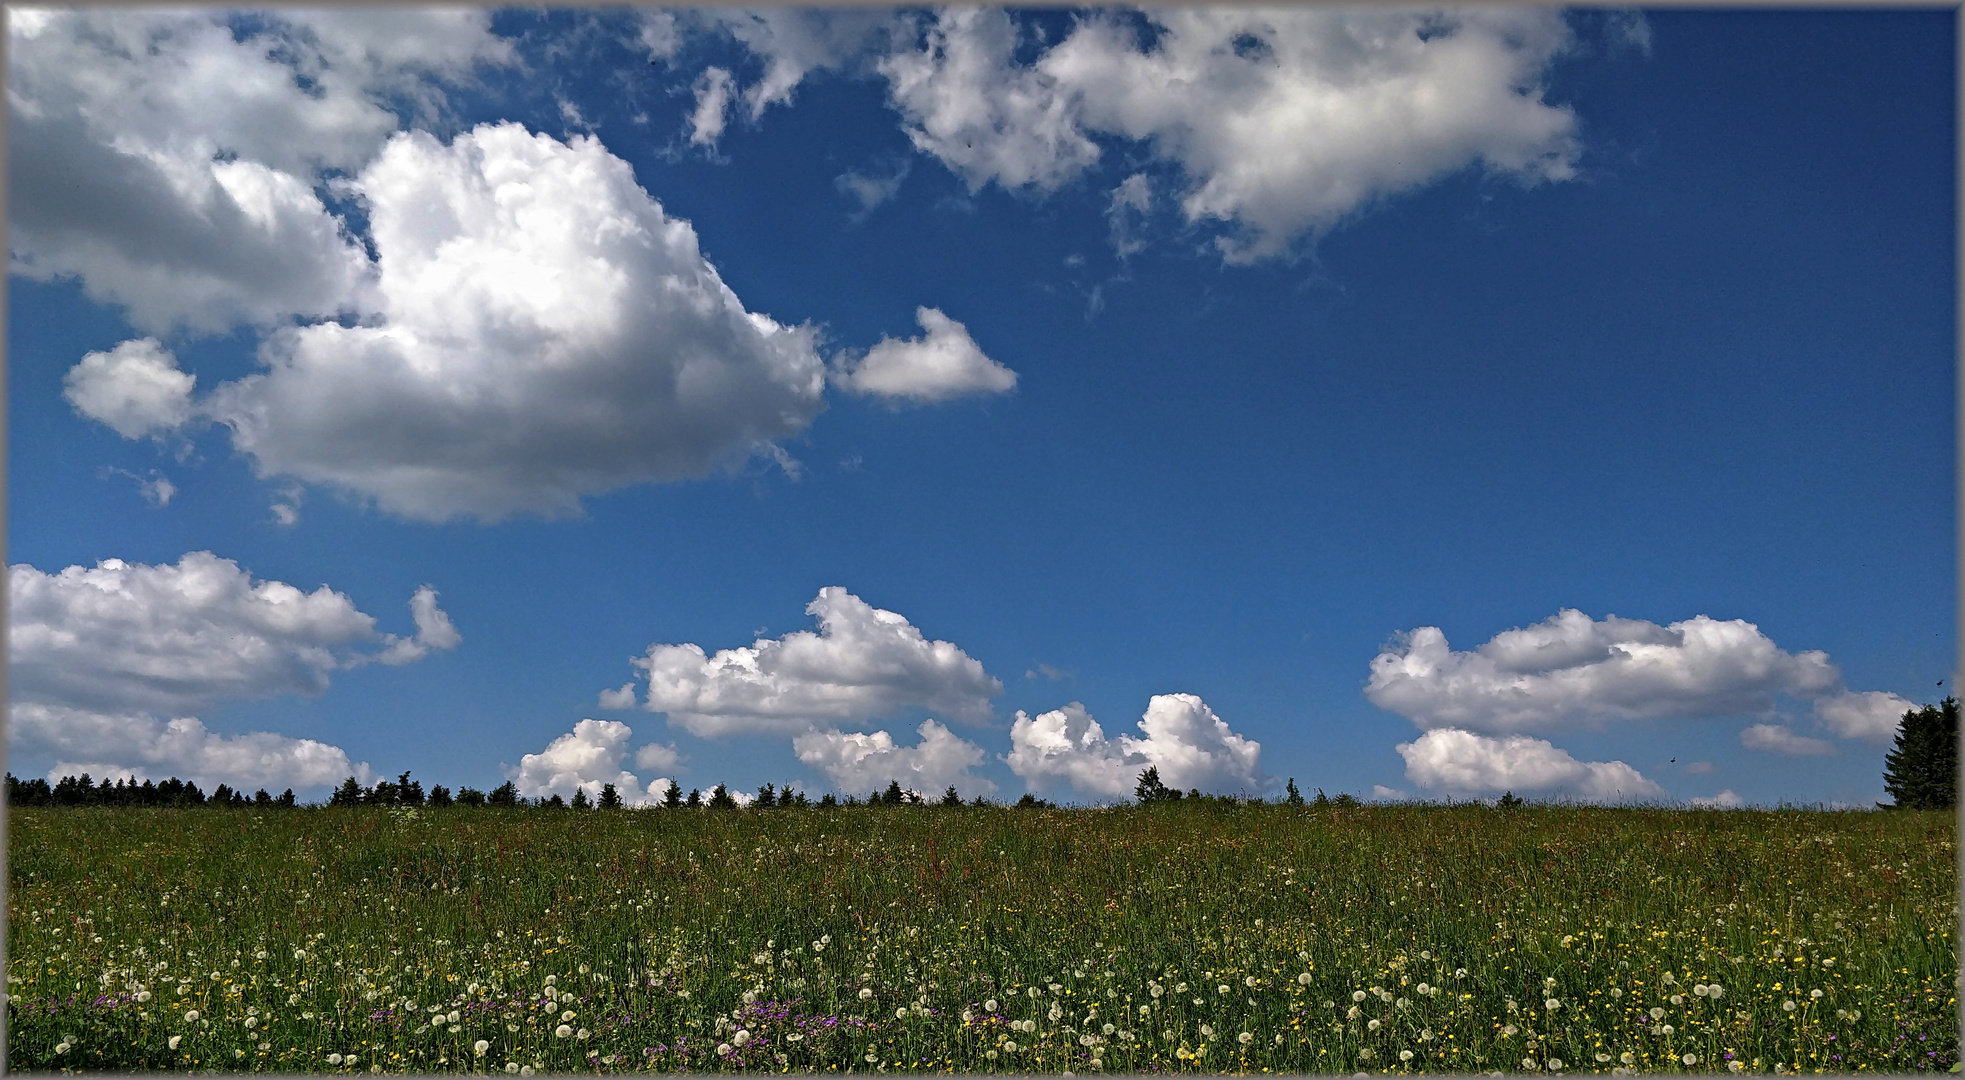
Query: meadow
[1215,938]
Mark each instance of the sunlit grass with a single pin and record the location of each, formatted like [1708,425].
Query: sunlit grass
[1183,938]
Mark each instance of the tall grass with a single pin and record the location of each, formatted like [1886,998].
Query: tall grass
[1177,938]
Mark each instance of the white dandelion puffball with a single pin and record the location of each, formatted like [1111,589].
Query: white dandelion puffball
[1690,1059]
[865,992]
[1357,995]
[191,1017]
[174,1040]
[989,1005]
[1405,1055]
[1304,979]
[563,1031]
[1787,1006]
[1814,993]
[480,1047]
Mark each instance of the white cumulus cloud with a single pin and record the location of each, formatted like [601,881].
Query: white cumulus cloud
[862,664]
[542,330]
[101,657]
[1571,669]
[1462,763]
[1780,739]
[586,759]
[176,637]
[1872,715]
[168,159]
[1180,735]
[1279,122]
[945,362]
[857,762]
[1727,799]
[135,388]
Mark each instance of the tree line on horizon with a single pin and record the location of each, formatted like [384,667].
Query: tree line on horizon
[1920,773]
[404,792]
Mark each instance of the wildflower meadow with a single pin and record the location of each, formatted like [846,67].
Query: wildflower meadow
[1216,938]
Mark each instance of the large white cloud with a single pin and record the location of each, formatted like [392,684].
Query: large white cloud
[1572,670]
[945,362]
[586,759]
[100,656]
[169,159]
[1182,737]
[862,664]
[1461,763]
[125,636]
[1275,123]
[858,762]
[1278,122]
[542,330]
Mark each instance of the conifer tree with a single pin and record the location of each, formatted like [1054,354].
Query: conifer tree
[1921,771]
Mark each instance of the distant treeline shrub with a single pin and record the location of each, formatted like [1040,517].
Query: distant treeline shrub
[405,792]
[83,790]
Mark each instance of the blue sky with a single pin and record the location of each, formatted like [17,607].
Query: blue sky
[1416,406]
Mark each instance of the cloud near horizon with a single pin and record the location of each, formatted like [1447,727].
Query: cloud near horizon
[1461,763]
[868,762]
[1572,671]
[588,758]
[99,655]
[863,664]
[1181,736]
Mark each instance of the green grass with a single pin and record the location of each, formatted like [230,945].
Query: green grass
[1208,939]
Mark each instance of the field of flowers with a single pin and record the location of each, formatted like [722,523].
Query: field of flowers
[1177,938]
